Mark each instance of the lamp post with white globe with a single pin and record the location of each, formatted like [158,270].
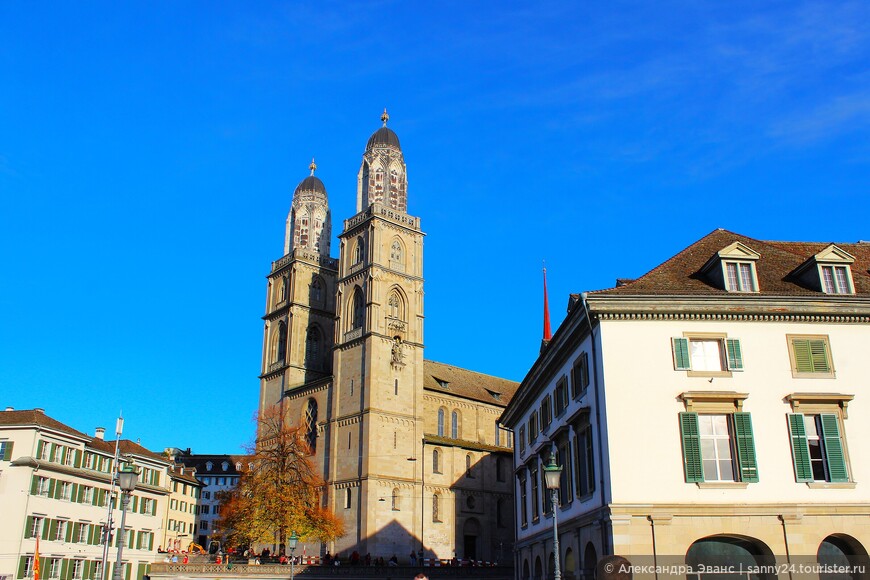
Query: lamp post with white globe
[127,477]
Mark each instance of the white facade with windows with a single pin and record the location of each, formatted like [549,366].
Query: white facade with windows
[55,486]
[722,415]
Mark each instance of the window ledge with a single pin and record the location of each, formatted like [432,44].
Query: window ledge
[830,485]
[708,374]
[722,484]
[797,375]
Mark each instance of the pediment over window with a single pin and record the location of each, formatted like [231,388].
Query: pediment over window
[738,251]
[829,271]
[733,268]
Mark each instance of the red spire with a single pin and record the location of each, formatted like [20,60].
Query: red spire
[547,333]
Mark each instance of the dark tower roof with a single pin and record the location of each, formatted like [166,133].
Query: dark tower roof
[311,183]
[384,136]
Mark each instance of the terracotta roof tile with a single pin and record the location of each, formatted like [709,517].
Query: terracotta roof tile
[33,417]
[467,384]
[682,275]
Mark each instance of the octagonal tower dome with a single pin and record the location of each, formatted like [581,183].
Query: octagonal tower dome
[309,224]
[383,176]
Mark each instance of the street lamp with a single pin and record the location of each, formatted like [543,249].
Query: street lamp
[127,477]
[552,476]
[291,543]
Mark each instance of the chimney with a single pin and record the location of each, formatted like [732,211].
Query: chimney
[100,433]
[39,410]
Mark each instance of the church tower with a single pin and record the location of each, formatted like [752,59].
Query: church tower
[378,360]
[300,303]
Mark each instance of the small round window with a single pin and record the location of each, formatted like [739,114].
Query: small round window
[470,502]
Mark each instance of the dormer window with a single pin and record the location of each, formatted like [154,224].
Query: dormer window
[208,466]
[225,466]
[740,277]
[829,271]
[733,268]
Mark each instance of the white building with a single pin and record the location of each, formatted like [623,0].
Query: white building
[717,405]
[55,485]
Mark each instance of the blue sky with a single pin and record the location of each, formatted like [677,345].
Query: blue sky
[149,151]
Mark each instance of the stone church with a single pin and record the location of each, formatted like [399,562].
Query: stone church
[411,450]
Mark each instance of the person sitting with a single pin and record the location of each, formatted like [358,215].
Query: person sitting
[394,561]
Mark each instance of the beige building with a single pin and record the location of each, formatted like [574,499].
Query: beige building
[182,509]
[55,485]
[409,448]
[716,407]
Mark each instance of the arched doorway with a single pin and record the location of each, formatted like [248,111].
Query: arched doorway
[728,551]
[539,569]
[841,550]
[470,533]
[590,560]
[568,565]
[526,571]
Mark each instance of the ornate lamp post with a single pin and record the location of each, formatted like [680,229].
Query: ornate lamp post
[552,475]
[127,482]
[291,543]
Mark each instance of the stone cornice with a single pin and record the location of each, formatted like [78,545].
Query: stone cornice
[846,309]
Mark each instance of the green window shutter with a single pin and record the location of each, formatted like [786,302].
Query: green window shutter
[52,451]
[135,503]
[694,469]
[53,533]
[65,569]
[69,532]
[800,449]
[88,569]
[834,448]
[140,573]
[46,528]
[21,566]
[682,362]
[34,485]
[78,459]
[74,496]
[802,361]
[819,355]
[28,526]
[735,356]
[39,447]
[745,447]
[7,451]
[151,542]
[51,486]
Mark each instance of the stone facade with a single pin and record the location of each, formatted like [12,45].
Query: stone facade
[343,358]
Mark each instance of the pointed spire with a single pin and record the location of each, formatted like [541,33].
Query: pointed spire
[547,333]
[313,166]
[385,117]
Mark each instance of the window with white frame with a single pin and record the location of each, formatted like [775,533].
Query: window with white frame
[60,533]
[817,434]
[87,494]
[740,277]
[69,456]
[717,439]
[54,568]
[42,486]
[82,537]
[836,279]
[78,568]
[66,490]
[707,353]
[28,567]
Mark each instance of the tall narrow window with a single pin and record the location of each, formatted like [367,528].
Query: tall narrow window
[436,461]
[536,498]
[396,505]
[524,502]
[441,422]
[347,498]
[359,250]
[454,424]
[312,348]
[359,310]
[468,466]
[317,294]
[310,425]
[436,507]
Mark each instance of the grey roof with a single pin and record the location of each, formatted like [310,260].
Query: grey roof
[384,136]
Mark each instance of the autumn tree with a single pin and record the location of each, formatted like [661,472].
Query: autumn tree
[279,493]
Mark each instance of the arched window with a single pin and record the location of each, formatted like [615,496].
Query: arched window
[359,250]
[285,288]
[569,561]
[347,498]
[441,422]
[316,293]
[359,309]
[436,508]
[279,343]
[397,256]
[468,461]
[454,424]
[312,348]
[844,552]
[396,499]
[309,423]
[738,551]
[395,306]
[436,461]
